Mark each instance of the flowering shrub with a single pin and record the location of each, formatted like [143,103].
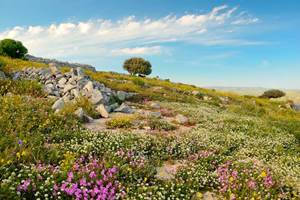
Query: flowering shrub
[248,181]
[89,179]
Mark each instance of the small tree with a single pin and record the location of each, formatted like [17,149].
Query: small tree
[138,66]
[272,94]
[12,48]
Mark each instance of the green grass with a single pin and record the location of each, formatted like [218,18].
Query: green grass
[256,138]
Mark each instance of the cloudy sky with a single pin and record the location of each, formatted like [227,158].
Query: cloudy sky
[207,43]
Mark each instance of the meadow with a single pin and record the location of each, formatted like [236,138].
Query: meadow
[241,147]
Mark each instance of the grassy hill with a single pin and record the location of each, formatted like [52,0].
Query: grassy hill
[236,148]
[293,95]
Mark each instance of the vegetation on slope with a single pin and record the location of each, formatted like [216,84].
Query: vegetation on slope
[242,148]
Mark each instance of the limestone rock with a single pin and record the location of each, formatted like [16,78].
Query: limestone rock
[155,105]
[2,75]
[181,119]
[296,107]
[69,87]
[124,108]
[102,111]
[58,105]
[96,97]
[121,95]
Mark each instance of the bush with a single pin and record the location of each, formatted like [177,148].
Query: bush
[139,82]
[1,64]
[272,94]
[12,48]
[137,66]
[21,87]
[158,124]
[120,122]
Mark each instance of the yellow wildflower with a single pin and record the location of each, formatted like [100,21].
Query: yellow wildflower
[199,195]
[263,174]
[18,155]
[23,153]
[231,179]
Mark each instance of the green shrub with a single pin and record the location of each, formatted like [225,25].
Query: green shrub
[1,64]
[137,66]
[21,87]
[12,48]
[33,122]
[272,94]
[81,102]
[120,122]
[139,82]
[159,124]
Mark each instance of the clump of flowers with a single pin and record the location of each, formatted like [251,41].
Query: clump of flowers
[246,181]
[90,179]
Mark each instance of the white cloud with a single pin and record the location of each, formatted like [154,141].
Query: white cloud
[132,36]
[154,50]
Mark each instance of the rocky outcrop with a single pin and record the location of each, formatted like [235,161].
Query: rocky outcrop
[71,85]
[59,63]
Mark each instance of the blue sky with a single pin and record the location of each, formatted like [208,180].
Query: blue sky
[207,43]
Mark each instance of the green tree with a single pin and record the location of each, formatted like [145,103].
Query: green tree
[12,48]
[138,66]
[274,93]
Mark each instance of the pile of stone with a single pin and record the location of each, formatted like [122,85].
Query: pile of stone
[71,85]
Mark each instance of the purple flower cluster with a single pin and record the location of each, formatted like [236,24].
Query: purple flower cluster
[90,180]
[24,185]
[227,177]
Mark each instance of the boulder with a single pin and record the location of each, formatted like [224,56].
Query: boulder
[102,111]
[181,119]
[112,107]
[124,108]
[2,75]
[69,87]
[62,82]
[296,107]
[121,95]
[89,86]
[59,104]
[155,105]
[82,115]
[96,97]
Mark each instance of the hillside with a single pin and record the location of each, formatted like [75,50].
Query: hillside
[117,136]
[293,95]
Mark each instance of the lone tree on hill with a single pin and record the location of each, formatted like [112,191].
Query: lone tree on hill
[272,94]
[138,66]
[12,48]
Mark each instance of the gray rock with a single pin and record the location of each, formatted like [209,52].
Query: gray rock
[82,115]
[16,76]
[89,86]
[2,75]
[62,82]
[79,113]
[96,97]
[112,107]
[59,104]
[155,105]
[124,108]
[296,107]
[75,92]
[121,95]
[181,119]
[102,111]
[79,72]
[195,92]
[69,87]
